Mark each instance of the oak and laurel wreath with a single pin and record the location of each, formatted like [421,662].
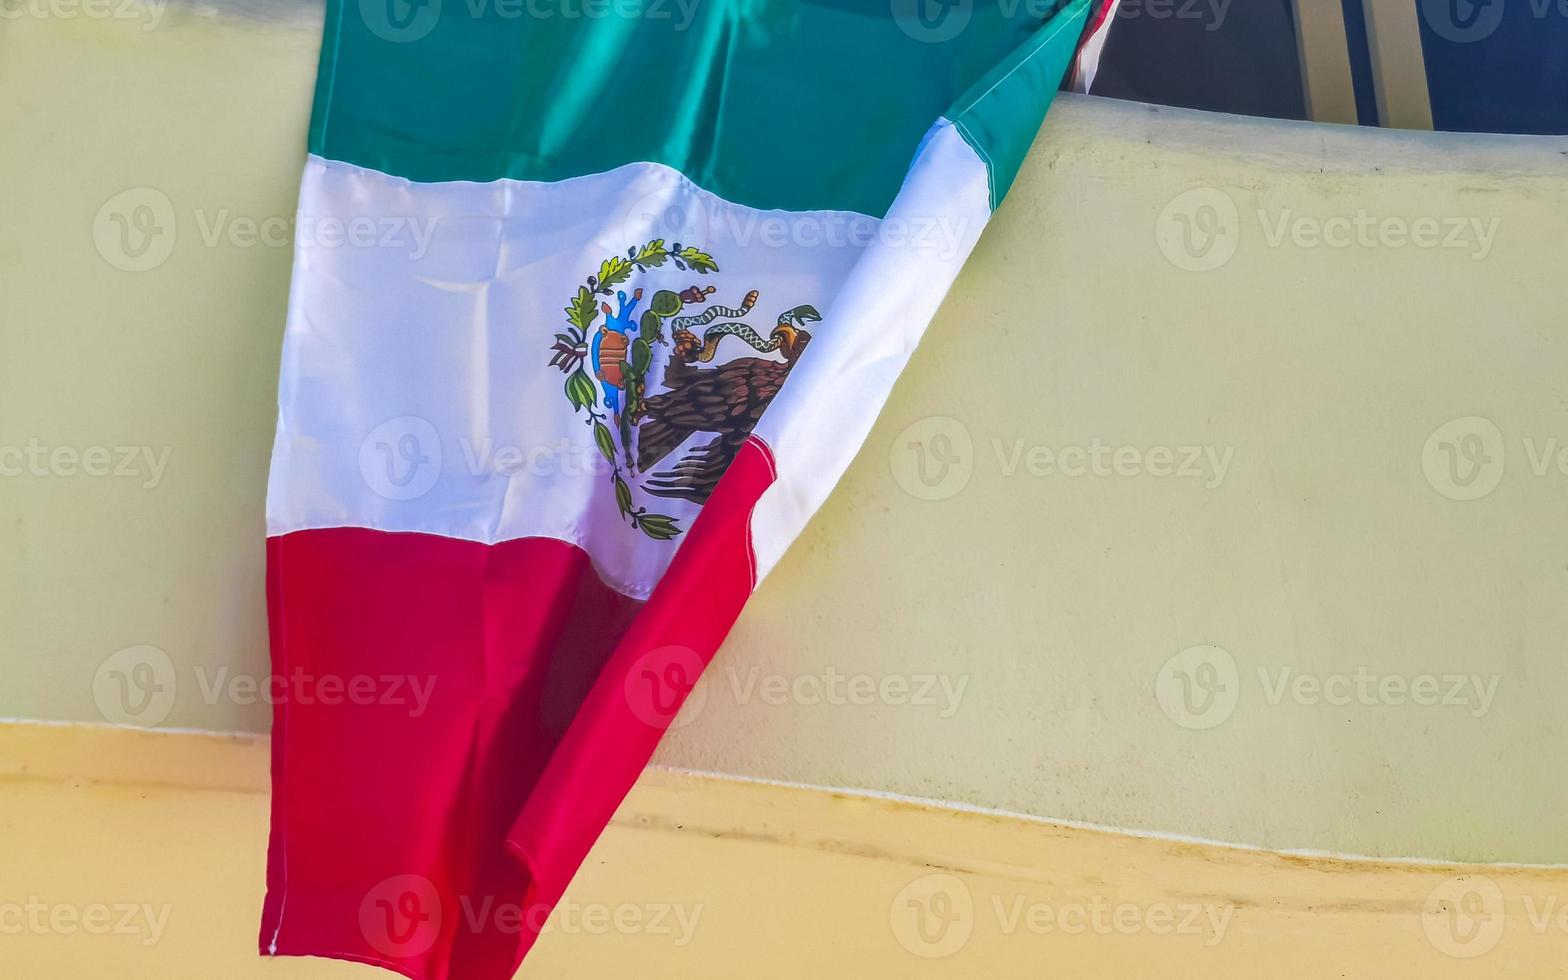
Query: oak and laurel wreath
[571,353]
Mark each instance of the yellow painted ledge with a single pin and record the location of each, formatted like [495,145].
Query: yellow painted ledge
[140,855]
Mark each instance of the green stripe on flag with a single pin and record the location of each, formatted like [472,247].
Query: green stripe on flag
[1001,114]
[791,104]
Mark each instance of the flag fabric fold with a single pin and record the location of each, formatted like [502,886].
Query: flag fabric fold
[593,313]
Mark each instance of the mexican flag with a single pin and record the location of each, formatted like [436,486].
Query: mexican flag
[598,301]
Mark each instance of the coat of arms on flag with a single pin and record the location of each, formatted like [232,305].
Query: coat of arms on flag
[608,363]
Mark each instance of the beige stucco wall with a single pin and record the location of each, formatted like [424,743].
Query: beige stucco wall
[701,877]
[1043,609]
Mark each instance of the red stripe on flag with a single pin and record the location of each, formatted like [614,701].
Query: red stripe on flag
[1087,61]
[456,722]
[642,688]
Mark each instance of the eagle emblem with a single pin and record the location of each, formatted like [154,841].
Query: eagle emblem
[609,362]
